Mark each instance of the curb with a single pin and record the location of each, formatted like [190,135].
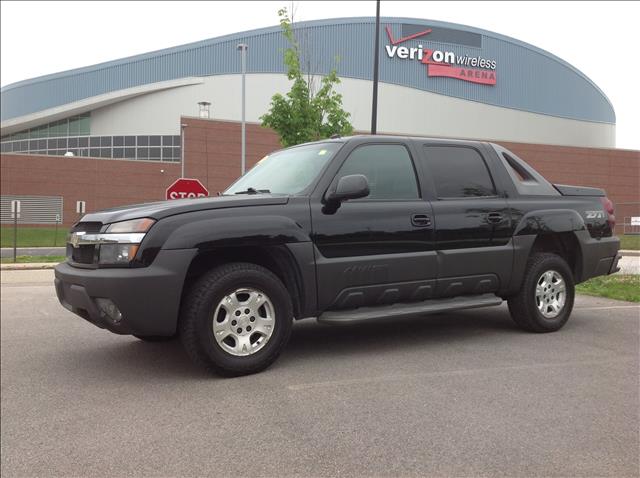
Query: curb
[28,267]
[630,253]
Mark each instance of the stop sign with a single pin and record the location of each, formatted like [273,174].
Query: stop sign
[186,188]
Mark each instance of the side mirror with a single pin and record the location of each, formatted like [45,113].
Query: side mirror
[353,186]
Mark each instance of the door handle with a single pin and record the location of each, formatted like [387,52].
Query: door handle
[495,217]
[420,220]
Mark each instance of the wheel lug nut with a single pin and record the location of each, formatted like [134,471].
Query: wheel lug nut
[246,311]
[248,328]
[239,330]
[234,322]
[252,319]
[237,313]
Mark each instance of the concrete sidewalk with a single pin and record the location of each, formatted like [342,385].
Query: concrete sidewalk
[33,251]
[31,266]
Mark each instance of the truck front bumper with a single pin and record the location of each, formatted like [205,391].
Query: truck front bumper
[140,301]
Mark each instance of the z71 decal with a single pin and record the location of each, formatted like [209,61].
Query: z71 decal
[594,214]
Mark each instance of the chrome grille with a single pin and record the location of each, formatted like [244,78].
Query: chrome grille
[85,253]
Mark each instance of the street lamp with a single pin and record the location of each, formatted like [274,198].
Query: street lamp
[242,47]
[374,98]
[182,127]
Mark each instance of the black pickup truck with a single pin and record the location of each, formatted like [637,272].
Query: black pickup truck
[345,230]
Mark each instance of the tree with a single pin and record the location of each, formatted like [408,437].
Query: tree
[304,114]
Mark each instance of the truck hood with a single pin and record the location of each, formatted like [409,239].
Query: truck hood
[160,209]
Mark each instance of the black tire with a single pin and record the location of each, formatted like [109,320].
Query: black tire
[523,306]
[197,315]
[155,338]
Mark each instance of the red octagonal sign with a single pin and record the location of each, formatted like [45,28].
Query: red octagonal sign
[186,188]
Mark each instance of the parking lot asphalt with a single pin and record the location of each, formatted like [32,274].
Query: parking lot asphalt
[457,394]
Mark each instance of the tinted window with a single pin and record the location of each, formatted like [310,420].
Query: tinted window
[458,172]
[388,169]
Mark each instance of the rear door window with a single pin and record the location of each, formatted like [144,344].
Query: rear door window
[458,172]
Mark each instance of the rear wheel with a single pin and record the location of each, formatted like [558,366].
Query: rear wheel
[545,300]
[236,319]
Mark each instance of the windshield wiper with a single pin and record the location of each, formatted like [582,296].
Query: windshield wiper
[253,191]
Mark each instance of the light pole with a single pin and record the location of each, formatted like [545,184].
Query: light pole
[243,54]
[374,99]
[182,127]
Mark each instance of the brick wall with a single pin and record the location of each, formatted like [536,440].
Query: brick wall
[212,150]
[101,183]
[615,170]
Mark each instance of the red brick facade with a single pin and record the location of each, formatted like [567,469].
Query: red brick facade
[212,155]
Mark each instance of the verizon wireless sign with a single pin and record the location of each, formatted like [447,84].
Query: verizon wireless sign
[474,69]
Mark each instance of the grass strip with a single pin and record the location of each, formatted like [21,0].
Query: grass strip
[616,286]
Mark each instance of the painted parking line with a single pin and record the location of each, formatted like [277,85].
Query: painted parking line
[609,307]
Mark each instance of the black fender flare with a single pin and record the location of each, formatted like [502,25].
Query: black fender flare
[535,224]
[281,237]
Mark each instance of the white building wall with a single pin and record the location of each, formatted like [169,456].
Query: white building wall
[401,110]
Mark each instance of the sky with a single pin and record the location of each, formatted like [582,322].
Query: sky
[598,38]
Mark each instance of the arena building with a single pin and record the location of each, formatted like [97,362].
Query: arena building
[111,133]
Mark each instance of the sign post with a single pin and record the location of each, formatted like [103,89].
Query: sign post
[186,188]
[55,237]
[15,214]
[81,207]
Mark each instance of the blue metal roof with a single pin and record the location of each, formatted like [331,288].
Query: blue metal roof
[528,78]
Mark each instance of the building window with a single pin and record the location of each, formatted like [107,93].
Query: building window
[151,148]
[74,126]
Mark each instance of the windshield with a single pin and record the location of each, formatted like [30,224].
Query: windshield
[288,171]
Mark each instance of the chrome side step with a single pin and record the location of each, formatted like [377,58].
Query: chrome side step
[363,314]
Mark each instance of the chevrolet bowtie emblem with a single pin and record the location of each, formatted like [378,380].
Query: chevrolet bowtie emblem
[75,239]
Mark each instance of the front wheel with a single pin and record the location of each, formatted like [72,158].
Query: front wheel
[236,319]
[545,300]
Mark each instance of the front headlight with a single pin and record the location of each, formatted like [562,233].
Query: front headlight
[127,236]
[117,253]
[119,242]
